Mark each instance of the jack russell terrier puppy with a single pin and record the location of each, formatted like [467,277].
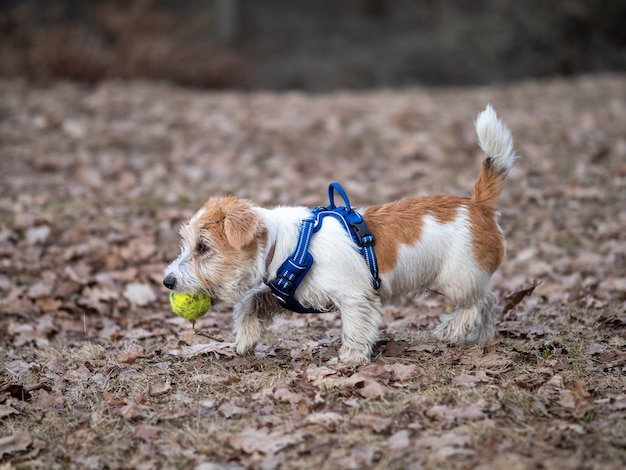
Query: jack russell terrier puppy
[231,250]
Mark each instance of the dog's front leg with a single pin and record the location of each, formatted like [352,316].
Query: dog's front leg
[361,320]
[251,317]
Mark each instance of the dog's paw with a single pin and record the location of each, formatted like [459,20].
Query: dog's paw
[450,333]
[353,357]
[243,347]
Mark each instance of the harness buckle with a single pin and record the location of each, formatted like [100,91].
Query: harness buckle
[364,235]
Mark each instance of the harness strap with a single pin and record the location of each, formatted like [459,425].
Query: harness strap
[291,273]
[359,230]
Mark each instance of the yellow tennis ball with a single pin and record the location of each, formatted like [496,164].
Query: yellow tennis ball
[190,306]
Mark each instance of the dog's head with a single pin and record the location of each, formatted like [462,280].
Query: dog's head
[219,252]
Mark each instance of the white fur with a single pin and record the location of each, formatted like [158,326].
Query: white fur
[495,139]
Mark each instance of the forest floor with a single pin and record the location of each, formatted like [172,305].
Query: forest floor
[96,371]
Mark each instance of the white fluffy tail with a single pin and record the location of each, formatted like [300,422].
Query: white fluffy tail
[495,139]
[497,142]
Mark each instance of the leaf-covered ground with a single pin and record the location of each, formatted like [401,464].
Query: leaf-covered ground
[96,372]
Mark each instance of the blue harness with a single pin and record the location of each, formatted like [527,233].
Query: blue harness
[291,273]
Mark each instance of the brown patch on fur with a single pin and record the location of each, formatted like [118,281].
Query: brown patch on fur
[489,185]
[231,220]
[487,238]
[401,222]
[231,228]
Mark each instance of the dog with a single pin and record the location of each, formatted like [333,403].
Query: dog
[231,248]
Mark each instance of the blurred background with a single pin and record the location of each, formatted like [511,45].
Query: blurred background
[311,45]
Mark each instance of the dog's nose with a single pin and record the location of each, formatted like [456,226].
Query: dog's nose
[170,281]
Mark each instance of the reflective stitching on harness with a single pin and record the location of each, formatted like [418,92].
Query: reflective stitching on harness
[291,273]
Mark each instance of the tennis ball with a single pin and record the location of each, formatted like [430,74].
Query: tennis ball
[190,306]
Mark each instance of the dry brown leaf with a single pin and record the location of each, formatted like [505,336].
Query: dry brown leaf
[15,443]
[7,410]
[399,442]
[80,374]
[82,435]
[446,445]
[329,420]
[233,409]
[132,353]
[457,414]
[48,303]
[375,422]
[147,432]
[132,411]
[471,380]
[395,348]
[158,386]
[515,298]
[316,374]
[402,372]
[365,386]
[480,360]
[221,348]
[552,387]
[287,396]
[251,440]
[139,294]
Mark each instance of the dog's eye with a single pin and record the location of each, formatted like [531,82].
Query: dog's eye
[202,248]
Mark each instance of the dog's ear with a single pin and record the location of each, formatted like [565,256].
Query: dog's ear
[240,225]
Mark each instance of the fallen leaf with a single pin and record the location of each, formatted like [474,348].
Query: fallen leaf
[287,396]
[471,380]
[261,440]
[457,414]
[316,374]
[595,348]
[513,299]
[80,374]
[446,445]
[618,403]
[231,409]
[519,329]
[399,442]
[146,432]
[15,443]
[7,410]
[327,420]
[221,348]
[132,411]
[401,372]
[132,353]
[611,359]
[375,422]
[159,386]
[369,388]
[476,358]
[551,387]
[395,348]
[37,235]
[139,294]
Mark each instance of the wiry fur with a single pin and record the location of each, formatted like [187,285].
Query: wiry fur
[450,243]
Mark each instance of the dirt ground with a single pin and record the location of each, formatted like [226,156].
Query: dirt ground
[96,372]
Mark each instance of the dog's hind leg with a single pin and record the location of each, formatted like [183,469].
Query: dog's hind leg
[471,322]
